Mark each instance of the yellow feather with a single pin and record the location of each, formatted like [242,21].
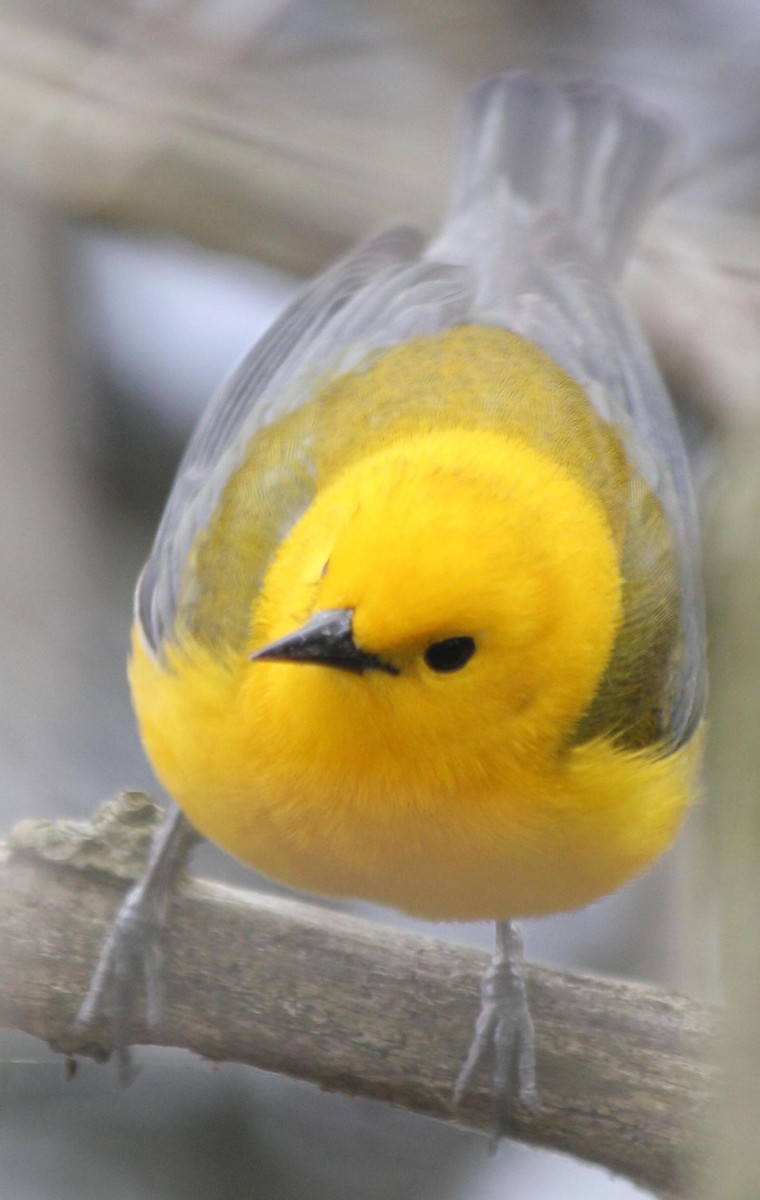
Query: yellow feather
[461,485]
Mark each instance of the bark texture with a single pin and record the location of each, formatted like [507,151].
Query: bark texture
[348,1004]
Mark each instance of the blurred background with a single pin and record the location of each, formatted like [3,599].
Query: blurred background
[169,171]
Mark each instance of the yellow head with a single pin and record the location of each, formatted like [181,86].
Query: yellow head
[476,595]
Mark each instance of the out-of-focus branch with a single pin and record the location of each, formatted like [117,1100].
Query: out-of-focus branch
[350,1005]
[733,560]
[106,133]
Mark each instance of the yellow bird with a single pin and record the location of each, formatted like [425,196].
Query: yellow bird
[422,622]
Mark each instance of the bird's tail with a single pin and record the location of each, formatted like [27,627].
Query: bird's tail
[583,150]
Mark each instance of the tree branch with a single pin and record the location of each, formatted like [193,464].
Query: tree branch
[235,163]
[347,1004]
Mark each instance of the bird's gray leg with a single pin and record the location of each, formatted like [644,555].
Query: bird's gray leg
[505,1028]
[131,955]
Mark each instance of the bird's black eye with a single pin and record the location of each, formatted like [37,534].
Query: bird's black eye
[450,655]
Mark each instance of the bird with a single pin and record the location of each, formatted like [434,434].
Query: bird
[422,623]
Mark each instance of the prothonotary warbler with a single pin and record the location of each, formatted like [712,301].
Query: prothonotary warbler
[422,623]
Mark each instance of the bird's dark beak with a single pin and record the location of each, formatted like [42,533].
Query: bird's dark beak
[328,639]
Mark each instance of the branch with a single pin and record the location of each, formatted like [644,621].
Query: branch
[732,860]
[350,1005]
[236,163]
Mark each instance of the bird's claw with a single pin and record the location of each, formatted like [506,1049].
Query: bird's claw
[504,1029]
[131,960]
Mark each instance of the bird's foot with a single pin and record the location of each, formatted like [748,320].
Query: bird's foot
[504,1032]
[130,964]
